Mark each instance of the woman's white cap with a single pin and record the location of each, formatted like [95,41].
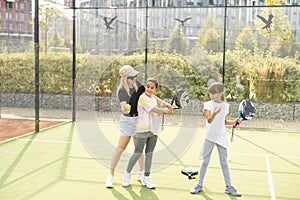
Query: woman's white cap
[127,70]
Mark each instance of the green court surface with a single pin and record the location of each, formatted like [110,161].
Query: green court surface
[55,164]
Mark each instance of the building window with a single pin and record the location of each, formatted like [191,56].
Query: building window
[22,6]
[21,17]
[21,28]
[9,5]
[8,16]
[29,29]
[10,27]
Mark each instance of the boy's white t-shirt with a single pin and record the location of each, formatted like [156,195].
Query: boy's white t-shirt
[216,130]
[147,120]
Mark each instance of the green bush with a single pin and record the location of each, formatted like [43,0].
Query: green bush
[255,74]
[274,79]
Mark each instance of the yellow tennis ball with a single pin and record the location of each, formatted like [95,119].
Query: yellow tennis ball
[127,107]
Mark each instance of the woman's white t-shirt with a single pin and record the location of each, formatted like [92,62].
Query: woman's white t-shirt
[216,130]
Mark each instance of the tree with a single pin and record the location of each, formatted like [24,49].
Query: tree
[231,33]
[177,43]
[56,40]
[209,36]
[142,41]
[279,31]
[246,40]
[47,20]
[212,41]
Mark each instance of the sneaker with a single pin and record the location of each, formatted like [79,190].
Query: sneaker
[109,181]
[196,189]
[140,176]
[148,182]
[126,179]
[231,190]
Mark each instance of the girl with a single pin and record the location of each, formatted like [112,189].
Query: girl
[148,126]
[215,112]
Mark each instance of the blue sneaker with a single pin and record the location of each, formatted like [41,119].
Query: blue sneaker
[196,189]
[231,190]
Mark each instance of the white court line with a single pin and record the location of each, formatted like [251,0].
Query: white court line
[271,185]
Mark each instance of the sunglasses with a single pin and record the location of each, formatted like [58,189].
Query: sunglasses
[131,77]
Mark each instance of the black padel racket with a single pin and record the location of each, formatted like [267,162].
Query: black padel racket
[179,100]
[189,172]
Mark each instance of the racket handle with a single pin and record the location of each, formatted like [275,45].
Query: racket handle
[236,124]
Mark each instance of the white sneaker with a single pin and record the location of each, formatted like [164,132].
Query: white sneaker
[140,175]
[126,179]
[109,181]
[148,182]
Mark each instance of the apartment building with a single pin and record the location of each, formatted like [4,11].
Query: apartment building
[131,22]
[16,24]
[17,28]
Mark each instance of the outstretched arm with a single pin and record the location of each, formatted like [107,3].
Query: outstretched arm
[160,111]
[163,103]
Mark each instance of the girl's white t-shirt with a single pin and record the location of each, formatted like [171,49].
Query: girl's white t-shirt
[216,130]
[147,120]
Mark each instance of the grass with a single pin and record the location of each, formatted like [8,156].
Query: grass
[59,164]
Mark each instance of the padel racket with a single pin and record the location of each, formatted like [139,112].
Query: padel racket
[246,111]
[189,172]
[179,100]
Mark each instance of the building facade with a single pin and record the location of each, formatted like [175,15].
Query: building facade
[16,24]
[16,19]
[131,22]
